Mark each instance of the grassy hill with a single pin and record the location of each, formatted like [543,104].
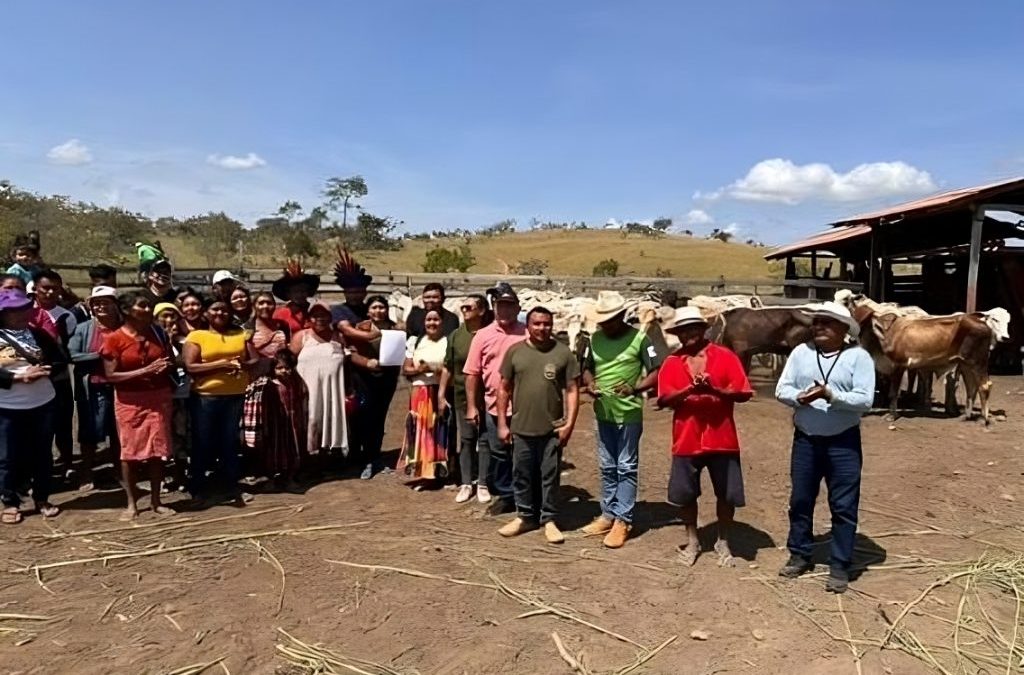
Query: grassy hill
[567,252]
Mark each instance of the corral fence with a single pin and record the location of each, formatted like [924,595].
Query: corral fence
[782,291]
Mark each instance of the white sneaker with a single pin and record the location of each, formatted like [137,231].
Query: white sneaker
[483,495]
[464,495]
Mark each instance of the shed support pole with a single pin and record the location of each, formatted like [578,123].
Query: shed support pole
[974,260]
[873,269]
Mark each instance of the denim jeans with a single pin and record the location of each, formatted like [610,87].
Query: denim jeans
[500,470]
[26,447]
[215,437]
[618,459]
[838,460]
[536,463]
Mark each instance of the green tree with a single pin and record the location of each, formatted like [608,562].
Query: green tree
[662,224]
[220,235]
[342,193]
[606,268]
[458,259]
[290,210]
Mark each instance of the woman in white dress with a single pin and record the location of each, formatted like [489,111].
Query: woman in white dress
[321,365]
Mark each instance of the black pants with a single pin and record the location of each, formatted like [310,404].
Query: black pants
[63,416]
[369,428]
[26,439]
[536,475]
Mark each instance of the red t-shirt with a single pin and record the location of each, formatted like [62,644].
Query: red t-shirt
[296,317]
[704,423]
[132,353]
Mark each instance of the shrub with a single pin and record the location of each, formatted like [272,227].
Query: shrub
[663,273]
[449,259]
[606,268]
[533,266]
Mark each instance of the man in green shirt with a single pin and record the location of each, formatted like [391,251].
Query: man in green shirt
[539,376]
[614,361]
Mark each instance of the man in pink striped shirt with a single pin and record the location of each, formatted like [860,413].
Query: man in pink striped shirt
[483,368]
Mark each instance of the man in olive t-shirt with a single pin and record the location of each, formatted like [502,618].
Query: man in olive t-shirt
[539,376]
[614,362]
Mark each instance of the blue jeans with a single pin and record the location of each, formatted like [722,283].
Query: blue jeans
[215,437]
[838,460]
[618,460]
[500,469]
[26,447]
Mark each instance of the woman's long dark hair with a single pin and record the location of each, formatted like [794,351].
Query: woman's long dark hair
[481,301]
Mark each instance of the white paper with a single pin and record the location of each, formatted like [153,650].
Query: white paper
[392,347]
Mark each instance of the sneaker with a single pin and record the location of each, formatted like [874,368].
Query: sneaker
[600,525]
[838,580]
[499,506]
[516,527]
[367,473]
[464,495]
[795,566]
[552,534]
[618,535]
[483,495]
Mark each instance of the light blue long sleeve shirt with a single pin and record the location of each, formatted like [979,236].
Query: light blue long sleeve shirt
[851,383]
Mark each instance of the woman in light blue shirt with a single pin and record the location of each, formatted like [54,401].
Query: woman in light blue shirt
[830,384]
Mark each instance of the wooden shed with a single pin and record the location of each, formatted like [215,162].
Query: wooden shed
[945,253]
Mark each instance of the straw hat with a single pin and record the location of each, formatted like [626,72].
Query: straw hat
[685,316]
[609,304]
[836,312]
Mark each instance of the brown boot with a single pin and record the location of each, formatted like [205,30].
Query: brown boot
[516,527]
[600,525]
[618,536]
[553,534]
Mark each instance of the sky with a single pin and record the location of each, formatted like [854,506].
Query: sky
[767,118]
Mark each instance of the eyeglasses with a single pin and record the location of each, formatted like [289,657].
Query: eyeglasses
[467,308]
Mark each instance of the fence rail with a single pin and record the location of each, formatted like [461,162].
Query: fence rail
[476,283]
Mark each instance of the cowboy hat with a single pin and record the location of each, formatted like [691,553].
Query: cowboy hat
[685,316]
[609,305]
[294,275]
[836,312]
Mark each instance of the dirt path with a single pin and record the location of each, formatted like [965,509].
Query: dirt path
[934,490]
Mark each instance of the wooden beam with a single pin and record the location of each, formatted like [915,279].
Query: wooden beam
[974,258]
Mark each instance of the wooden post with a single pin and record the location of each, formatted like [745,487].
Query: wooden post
[873,270]
[814,264]
[974,259]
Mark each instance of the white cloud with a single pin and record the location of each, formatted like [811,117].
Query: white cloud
[732,228]
[71,153]
[235,163]
[782,181]
[698,217]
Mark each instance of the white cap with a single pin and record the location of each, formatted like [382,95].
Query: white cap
[30,288]
[223,275]
[103,292]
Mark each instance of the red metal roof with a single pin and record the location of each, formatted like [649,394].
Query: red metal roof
[821,240]
[945,201]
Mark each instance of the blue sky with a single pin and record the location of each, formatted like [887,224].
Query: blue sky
[749,115]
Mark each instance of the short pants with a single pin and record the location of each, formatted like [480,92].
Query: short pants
[724,469]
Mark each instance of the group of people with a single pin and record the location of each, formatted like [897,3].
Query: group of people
[228,383]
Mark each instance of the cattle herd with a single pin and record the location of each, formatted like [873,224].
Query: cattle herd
[905,342]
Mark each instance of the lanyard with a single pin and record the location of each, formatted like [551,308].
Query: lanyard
[821,370]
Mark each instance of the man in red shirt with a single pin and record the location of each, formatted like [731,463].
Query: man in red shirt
[701,382]
[296,288]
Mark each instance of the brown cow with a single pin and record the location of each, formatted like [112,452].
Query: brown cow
[935,345]
[766,330]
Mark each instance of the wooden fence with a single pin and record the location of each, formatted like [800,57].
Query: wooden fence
[784,290]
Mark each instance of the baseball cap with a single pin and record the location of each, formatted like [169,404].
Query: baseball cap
[223,275]
[503,292]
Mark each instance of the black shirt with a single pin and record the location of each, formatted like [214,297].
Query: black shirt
[414,323]
[169,296]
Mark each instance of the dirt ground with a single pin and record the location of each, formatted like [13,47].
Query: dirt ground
[935,490]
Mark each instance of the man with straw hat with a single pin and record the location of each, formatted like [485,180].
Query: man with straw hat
[829,383]
[613,363]
[702,382]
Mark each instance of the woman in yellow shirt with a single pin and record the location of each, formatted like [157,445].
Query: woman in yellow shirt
[217,358]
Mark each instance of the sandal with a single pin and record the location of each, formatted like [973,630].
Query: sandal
[48,510]
[688,555]
[10,515]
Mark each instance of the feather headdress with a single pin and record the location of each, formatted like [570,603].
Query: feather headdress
[294,275]
[349,273]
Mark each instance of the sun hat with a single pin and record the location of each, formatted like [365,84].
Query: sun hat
[223,275]
[685,316]
[836,312]
[162,307]
[609,305]
[102,292]
[14,298]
